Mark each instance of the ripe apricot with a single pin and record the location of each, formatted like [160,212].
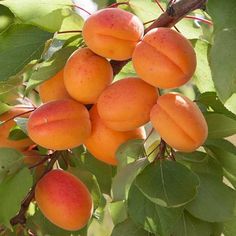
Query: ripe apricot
[59,124]
[53,89]
[64,200]
[126,104]
[179,122]
[86,75]
[5,128]
[164,58]
[103,141]
[113,33]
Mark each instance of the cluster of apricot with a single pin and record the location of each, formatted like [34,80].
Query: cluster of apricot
[162,58]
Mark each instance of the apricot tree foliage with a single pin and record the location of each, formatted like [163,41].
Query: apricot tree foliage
[145,186]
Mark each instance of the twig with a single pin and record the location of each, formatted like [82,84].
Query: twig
[174,13]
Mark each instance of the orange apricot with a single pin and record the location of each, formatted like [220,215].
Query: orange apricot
[113,33]
[64,200]
[86,75]
[5,128]
[164,58]
[104,142]
[53,89]
[59,124]
[179,122]
[126,104]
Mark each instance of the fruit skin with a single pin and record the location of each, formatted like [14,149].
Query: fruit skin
[164,58]
[86,75]
[179,122]
[104,142]
[5,128]
[59,124]
[64,200]
[54,88]
[113,33]
[126,104]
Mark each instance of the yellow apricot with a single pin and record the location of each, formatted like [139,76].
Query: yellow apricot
[53,89]
[86,75]
[179,122]
[126,104]
[113,33]
[5,128]
[64,200]
[164,58]
[59,125]
[104,142]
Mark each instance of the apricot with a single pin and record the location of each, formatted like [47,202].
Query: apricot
[113,33]
[179,122]
[5,128]
[64,200]
[59,125]
[126,104]
[164,58]
[104,142]
[86,75]
[53,89]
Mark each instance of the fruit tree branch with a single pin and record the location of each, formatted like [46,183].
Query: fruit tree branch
[173,14]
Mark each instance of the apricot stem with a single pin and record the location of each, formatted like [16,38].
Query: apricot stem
[39,162]
[208,22]
[69,32]
[81,8]
[118,4]
[20,217]
[21,114]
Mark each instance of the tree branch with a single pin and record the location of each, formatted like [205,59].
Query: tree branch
[174,13]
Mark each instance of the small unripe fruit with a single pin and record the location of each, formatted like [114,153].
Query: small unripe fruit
[59,125]
[179,122]
[126,104]
[53,89]
[5,128]
[86,75]
[113,33]
[64,200]
[104,142]
[164,58]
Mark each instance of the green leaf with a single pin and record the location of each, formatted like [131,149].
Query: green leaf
[212,102]
[168,183]
[12,192]
[230,227]
[214,202]
[102,172]
[153,218]
[125,177]
[201,162]
[129,152]
[38,12]
[10,162]
[22,123]
[126,71]
[18,46]
[219,125]
[189,225]
[225,152]
[202,77]
[129,228]
[223,15]
[16,133]
[6,18]
[224,72]
[118,212]
[50,67]
[42,226]
[4,108]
